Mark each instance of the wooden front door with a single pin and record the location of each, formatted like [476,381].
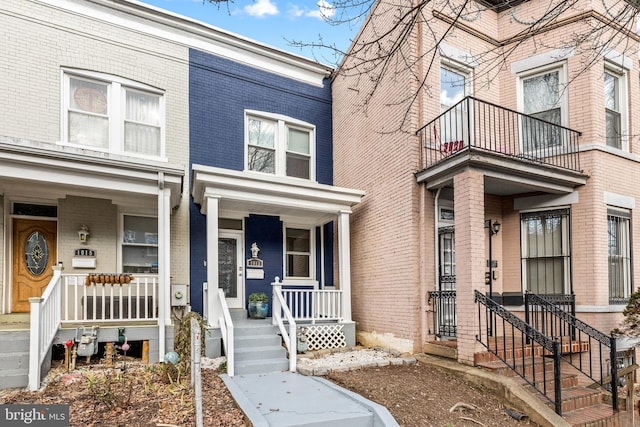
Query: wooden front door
[34,255]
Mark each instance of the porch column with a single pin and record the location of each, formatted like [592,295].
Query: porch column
[470,257]
[213,304]
[344,263]
[164,264]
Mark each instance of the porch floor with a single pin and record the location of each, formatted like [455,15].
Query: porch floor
[14,322]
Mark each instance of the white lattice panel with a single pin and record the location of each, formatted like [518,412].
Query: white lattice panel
[325,336]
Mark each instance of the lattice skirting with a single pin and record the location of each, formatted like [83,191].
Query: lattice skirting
[324,336]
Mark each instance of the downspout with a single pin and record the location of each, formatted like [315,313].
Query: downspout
[162,286]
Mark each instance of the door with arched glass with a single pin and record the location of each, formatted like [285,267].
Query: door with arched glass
[34,255]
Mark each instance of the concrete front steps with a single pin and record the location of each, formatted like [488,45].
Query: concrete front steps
[581,406]
[257,346]
[14,358]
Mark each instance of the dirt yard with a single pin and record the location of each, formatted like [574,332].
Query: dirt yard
[415,394]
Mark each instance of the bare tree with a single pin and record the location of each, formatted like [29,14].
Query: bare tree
[386,45]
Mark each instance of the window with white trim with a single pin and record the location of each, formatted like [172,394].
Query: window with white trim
[619,249]
[546,259]
[139,244]
[298,244]
[614,107]
[454,86]
[107,113]
[280,146]
[543,97]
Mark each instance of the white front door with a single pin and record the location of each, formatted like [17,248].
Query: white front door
[230,271]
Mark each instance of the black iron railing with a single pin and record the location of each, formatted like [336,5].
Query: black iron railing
[472,124]
[590,351]
[444,313]
[527,351]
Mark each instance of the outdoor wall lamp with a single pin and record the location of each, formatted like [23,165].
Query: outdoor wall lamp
[83,234]
[493,228]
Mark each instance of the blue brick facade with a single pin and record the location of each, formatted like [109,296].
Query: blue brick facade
[220,90]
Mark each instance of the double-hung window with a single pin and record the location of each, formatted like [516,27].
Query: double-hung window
[619,245]
[614,102]
[111,114]
[298,253]
[546,260]
[280,145]
[544,102]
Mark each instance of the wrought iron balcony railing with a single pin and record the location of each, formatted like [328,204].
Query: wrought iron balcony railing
[475,125]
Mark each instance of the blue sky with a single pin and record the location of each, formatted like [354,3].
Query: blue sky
[271,22]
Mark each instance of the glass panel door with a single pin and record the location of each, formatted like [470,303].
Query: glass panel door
[230,268]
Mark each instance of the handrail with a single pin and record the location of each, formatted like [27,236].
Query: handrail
[44,324]
[554,321]
[504,348]
[474,124]
[314,304]
[290,337]
[226,329]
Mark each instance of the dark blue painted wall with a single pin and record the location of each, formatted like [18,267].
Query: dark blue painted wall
[220,91]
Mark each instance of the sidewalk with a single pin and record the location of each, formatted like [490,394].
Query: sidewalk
[291,399]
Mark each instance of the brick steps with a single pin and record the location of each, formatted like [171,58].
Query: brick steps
[581,406]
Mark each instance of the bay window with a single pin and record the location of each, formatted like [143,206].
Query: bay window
[543,97]
[614,107]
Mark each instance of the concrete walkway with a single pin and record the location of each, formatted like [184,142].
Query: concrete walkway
[290,399]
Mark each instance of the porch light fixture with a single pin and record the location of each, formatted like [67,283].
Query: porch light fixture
[493,228]
[83,234]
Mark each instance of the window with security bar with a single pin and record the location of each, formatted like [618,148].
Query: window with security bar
[619,246]
[546,259]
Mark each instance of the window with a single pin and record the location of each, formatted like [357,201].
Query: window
[545,251]
[298,253]
[139,244]
[543,98]
[614,101]
[618,226]
[112,115]
[454,84]
[280,146]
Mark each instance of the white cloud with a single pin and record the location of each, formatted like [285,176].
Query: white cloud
[324,11]
[295,11]
[261,8]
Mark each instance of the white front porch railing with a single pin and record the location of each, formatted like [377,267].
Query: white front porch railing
[279,311]
[226,329]
[45,321]
[311,305]
[84,301]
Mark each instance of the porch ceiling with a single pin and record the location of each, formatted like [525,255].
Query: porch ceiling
[244,192]
[504,176]
[58,171]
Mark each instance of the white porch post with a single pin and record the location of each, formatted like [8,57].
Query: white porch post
[344,263]
[164,264]
[214,309]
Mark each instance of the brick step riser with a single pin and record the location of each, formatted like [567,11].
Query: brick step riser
[573,403]
[526,352]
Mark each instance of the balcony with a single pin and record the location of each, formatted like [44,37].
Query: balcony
[519,152]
